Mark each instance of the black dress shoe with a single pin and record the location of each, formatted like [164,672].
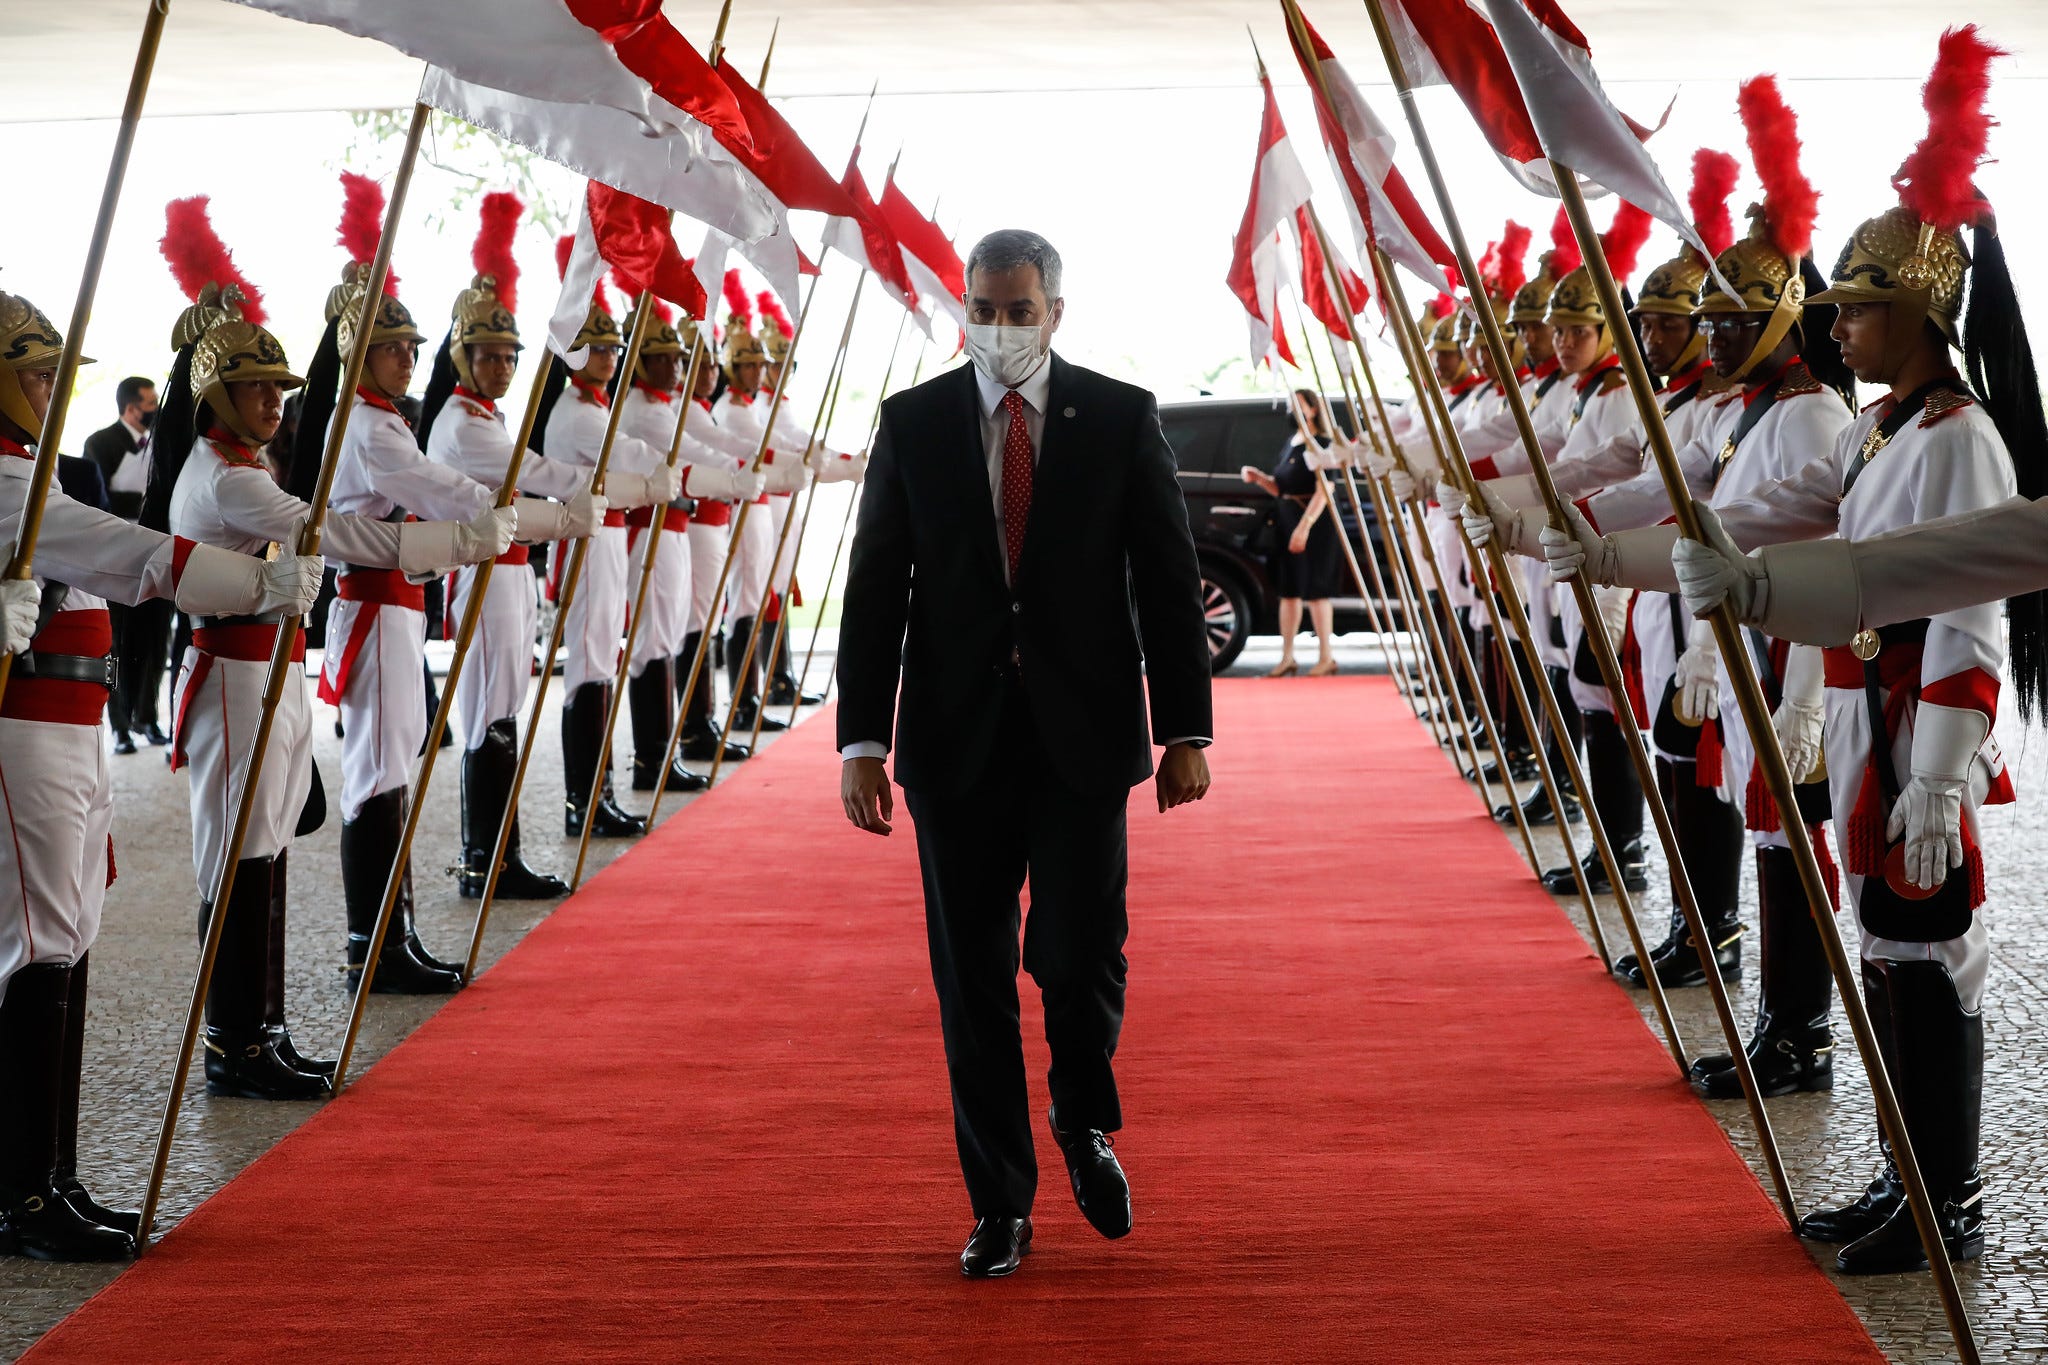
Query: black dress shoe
[611,823]
[1536,810]
[701,746]
[1099,1185]
[1635,873]
[72,1191]
[1894,1248]
[1785,1058]
[1882,1198]
[743,719]
[43,1225]
[155,735]
[249,1068]
[124,743]
[996,1247]
[646,776]
[1677,958]
[782,692]
[288,1053]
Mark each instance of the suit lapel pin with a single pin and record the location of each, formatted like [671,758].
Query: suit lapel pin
[1068,413]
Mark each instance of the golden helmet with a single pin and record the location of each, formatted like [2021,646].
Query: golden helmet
[1674,288]
[479,318]
[599,329]
[391,322]
[741,347]
[1444,336]
[1768,281]
[1895,258]
[661,339]
[1575,302]
[1533,299]
[231,350]
[28,341]
[773,341]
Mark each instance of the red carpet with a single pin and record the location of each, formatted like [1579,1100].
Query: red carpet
[1382,1107]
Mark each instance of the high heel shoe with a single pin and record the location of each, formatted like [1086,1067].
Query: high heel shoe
[1327,668]
[1286,670]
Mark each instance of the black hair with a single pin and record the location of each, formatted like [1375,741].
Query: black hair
[129,391]
[2002,371]
[1817,344]
[309,440]
[550,394]
[440,386]
[170,441]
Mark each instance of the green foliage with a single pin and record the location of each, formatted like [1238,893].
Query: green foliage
[474,162]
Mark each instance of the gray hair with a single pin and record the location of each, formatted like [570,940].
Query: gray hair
[1009,248]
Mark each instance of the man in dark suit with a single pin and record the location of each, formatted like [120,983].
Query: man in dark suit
[1021,530]
[141,634]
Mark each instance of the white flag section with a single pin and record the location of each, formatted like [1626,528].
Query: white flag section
[684,171]
[1580,127]
[579,287]
[844,236]
[536,47]
[710,264]
[932,291]
[1279,187]
[774,256]
[1372,150]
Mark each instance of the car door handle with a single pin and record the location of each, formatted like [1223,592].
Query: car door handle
[1229,511]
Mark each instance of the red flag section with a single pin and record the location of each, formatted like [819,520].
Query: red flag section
[1315,282]
[778,158]
[880,251]
[1279,187]
[919,236]
[655,51]
[634,236]
[1448,41]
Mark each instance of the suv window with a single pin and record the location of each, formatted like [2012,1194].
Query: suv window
[1257,438]
[1196,438]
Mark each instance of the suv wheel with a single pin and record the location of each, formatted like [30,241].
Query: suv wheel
[1226,616]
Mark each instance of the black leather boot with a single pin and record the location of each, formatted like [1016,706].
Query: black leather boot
[1618,801]
[651,698]
[1885,1195]
[1710,838]
[273,988]
[781,678]
[241,1055]
[1940,1083]
[1793,1045]
[36,1219]
[1635,872]
[487,773]
[583,716]
[64,1175]
[1536,808]
[745,685]
[700,736]
[368,844]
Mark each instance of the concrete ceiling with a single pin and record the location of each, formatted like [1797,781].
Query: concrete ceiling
[70,60]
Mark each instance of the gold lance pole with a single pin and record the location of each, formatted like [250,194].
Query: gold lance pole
[1589,612]
[1401,556]
[566,598]
[472,612]
[637,615]
[282,668]
[775,562]
[20,563]
[776,645]
[1756,715]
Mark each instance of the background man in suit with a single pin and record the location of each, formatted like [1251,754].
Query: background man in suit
[1022,526]
[142,635]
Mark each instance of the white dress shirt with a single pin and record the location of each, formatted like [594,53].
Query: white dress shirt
[995,432]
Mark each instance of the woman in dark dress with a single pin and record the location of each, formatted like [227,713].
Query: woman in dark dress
[1306,568]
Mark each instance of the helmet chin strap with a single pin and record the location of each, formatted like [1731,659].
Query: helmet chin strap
[1791,303]
[1690,356]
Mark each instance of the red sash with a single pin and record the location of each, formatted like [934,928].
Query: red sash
[64,701]
[384,588]
[244,644]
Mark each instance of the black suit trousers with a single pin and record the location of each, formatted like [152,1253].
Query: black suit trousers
[142,634]
[977,849]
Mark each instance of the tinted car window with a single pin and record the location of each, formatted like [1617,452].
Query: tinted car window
[1257,438]
[1196,438]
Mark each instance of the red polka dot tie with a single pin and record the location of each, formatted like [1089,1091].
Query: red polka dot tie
[1016,480]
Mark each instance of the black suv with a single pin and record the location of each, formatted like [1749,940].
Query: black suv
[1212,439]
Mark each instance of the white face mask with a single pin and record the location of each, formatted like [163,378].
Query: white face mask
[1007,355]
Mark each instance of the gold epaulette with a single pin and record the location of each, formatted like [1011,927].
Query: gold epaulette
[1799,380]
[473,410]
[1611,381]
[1941,403]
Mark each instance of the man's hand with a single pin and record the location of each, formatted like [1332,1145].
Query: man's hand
[1183,777]
[864,790]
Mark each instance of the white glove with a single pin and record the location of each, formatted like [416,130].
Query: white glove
[540,521]
[484,536]
[1565,551]
[661,484]
[1614,604]
[724,485]
[21,603]
[1929,812]
[1402,485]
[1378,465]
[217,582]
[585,514]
[1801,714]
[845,469]
[428,548]
[1698,678]
[1344,454]
[1451,498]
[785,475]
[1717,571]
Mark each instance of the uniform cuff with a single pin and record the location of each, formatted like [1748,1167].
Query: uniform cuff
[864,748]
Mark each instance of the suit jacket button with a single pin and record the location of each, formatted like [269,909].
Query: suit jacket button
[1016,608]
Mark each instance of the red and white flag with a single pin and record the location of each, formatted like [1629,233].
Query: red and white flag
[618,231]
[1279,187]
[1577,125]
[1316,292]
[1383,210]
[865,239]
[929,256]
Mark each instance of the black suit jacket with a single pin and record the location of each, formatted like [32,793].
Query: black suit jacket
[1106,556]
[81,481]
[106,448]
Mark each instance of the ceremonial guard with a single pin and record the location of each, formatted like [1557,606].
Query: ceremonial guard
[635,477]
[376,636]
[1927,689]
[462,428]
[59,848]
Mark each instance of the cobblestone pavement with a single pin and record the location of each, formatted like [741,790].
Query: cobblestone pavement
[142,982]
[142,979]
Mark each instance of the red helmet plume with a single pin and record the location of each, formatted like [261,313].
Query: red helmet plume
[198,257]
[1713,180]
[362,222]
[492,253]
[737,304]
[1442,306]
[772,309]
[1790,200]
[1565,256]
[1623,241]
[1937,182]
[1512,260]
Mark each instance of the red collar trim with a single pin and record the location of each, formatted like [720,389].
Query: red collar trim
[1546,369]
[743,399]
[1690,374]
[704,403]
[377,400]
[230,447]
[592,393]
[1592,375]
[1756,388]
[10,446]
[486,404]
[658,395]
[1524,374]
[1466,385]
